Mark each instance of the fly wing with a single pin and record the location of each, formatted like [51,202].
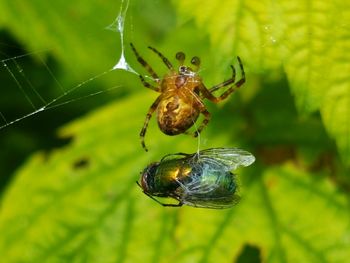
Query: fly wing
[211,184]
[210,187]
[227,159]
[212,202]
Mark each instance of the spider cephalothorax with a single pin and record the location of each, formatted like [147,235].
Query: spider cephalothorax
[181,95]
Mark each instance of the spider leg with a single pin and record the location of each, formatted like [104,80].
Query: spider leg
[204,123]
[203,110]
[144,63]
[173,154]
[165,60]
[148,117]
[226,82]
[147,85]
[242,80]
[208,93]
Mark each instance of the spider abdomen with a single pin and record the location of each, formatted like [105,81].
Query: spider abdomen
[176,115]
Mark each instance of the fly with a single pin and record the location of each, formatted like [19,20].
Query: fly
[202,179]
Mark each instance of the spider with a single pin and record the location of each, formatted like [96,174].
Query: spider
[181,95]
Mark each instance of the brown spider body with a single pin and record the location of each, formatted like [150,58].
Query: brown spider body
[181,95]
[177,111]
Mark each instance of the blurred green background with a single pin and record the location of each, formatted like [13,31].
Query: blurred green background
[67,177]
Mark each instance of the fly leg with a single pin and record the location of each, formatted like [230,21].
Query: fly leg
[169,205]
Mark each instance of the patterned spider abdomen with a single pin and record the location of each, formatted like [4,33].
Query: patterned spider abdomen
[180,105]
[176,114]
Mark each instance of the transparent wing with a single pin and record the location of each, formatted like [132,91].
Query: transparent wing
[211,184]
[212,202]
[211,188]
[198,187]
[227,159]
[210,194]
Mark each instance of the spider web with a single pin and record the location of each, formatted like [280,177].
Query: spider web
[32,99]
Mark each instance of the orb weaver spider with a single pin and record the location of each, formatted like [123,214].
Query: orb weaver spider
[181,95]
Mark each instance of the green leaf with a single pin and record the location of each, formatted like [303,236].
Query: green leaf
[309,39]
[81,204]
[70,32]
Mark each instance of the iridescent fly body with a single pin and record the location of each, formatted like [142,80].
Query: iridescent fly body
[202,179]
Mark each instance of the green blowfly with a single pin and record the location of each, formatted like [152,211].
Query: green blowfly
[202,179]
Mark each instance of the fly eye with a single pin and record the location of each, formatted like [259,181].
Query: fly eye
[147,178]
[196,61]
[180,56]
